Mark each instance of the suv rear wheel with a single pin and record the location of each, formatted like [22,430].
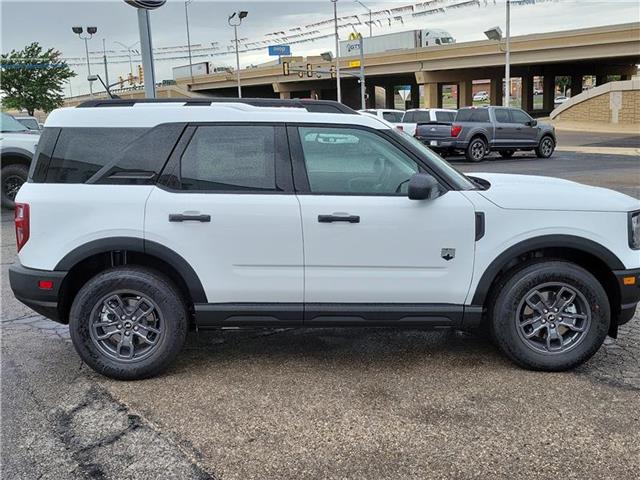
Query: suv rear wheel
[13,176]
[550,315]
[128,323]
[546,147]
[476,150]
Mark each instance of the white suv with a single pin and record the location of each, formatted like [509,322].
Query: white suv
[142,220]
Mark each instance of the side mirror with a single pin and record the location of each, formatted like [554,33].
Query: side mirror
[533,123]
[423,186]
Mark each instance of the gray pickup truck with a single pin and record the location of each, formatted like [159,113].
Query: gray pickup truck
[476,131]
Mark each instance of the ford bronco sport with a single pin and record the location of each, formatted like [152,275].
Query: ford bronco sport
[141,220]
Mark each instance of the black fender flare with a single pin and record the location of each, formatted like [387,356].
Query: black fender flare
[104,245]
[537,243]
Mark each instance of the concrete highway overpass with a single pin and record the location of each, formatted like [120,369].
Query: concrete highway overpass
[536,59]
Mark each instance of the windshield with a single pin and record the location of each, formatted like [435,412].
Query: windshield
[459,179]
[10,124]
[30,123]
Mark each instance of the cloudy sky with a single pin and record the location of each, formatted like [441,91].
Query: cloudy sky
[50,22]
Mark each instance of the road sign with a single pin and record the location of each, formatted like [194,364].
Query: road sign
[404,94]
[279,50]
[354,63]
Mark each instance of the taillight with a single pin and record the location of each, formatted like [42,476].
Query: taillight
[455,130]
[22,224]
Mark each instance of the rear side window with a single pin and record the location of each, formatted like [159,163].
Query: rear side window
[393,117]
[44,152]
[81,152]
[502,115]
[445,116]
[111,155]
[408,117]
[227,158]
[480,115]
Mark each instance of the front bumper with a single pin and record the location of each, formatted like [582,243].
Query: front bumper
[25,285]
[629,293]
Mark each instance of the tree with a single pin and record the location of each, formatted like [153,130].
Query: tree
[33,78]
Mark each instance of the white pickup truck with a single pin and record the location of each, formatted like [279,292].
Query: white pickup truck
[414,116]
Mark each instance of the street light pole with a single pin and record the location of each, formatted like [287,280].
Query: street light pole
[186,16]
[237,20]
[90,32]
[363,95]
[128,48]
[370,21]
[507,73]
[335,23]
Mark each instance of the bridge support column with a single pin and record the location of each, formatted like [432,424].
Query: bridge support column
[496,94]
[576,84]
[431,93]
[389,96]
[415,95]
[465,93]
[548,92]
[285,95]
[526,92]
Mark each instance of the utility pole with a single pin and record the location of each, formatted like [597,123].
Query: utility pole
[144,24]
[104,57]
[507,73]
[335,23]
[186,16]
[235,20]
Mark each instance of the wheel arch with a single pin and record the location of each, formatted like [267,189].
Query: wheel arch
[87,260]
[15,156]
[593,257]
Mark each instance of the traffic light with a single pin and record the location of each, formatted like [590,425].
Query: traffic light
[121,81]
[130,79]
[140,74]
[333,72]
[309,70]
[285,69]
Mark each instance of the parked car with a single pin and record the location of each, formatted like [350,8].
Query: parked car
[481,96]
[30,122]
[560,99]
[390,115]
[477,131]
[538,91]
[414,116]
[143,221]
[17,145]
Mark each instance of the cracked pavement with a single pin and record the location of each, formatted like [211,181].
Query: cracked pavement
[327,403]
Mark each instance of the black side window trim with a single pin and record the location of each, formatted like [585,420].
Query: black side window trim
[170,178]
[301,180]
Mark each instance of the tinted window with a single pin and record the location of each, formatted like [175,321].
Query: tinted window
[519,116]
[44,152]
[394,117]
[408,117]
[81,152]
[472,115]
[230,158]
[353,161]
[502,115]
[445,116]
[30,123]
[422,117]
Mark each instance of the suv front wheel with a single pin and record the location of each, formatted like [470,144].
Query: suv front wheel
[128,323]
[550,315]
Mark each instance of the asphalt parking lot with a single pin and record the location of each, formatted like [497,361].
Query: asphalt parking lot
[328,403]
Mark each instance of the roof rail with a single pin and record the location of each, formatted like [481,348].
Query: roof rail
[318,106]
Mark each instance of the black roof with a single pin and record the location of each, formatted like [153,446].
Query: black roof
[319,106]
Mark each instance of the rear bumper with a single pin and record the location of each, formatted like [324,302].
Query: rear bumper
[629,293]
[25,285]
[439,143]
